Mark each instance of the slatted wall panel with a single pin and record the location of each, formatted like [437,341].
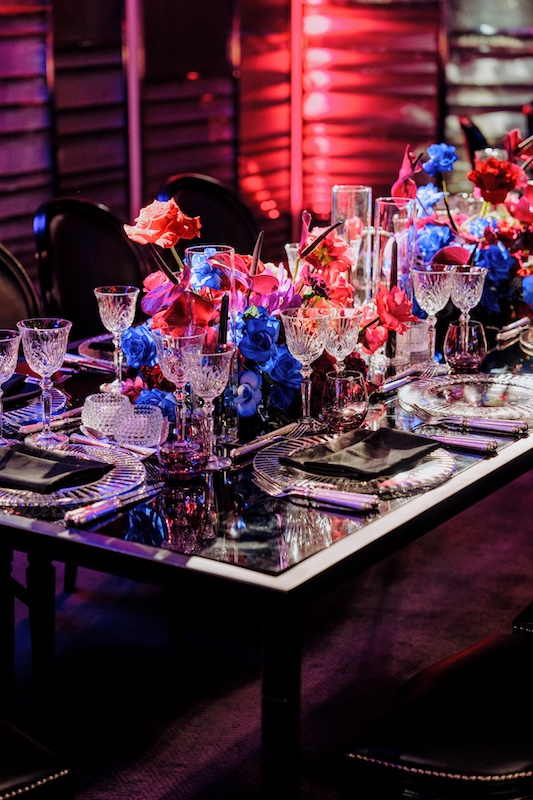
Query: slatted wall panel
[264,114]
[26,161]
[90,102]
[372,85]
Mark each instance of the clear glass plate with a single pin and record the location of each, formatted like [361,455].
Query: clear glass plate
[33,412]
[526,341]
[489,396]
[429,471]
[127,473]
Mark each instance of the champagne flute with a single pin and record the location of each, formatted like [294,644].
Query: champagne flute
[9,350]
[432,287]
[342,334]
[116,306]
[208,370]
[306,331]
[44,341]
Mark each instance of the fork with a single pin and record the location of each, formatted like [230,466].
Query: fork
[505,427]
[432,369]
[321,495]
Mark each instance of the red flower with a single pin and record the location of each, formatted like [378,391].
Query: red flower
[405,186]
[163,223]
[393,308]
[495,178]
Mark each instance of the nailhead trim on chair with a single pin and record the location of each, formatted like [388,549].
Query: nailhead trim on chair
[435,774]
[31,786]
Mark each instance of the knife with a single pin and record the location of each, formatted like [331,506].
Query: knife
[262,441]
[104,508]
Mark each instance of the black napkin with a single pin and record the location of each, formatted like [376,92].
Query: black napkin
[362,453]
[14,384]
[45,471]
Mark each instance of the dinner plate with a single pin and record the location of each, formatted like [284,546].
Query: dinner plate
[431,470]
[481,395]
[127,473]
[526,341]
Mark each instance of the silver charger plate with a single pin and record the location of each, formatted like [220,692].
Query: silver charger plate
[431,470]
[481,395]
[127,473]
[33,411]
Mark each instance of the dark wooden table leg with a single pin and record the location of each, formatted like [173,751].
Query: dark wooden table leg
[41,589]
[7,630]
[281,666]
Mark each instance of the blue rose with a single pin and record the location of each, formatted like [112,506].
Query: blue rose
[164,400]
[139,347]
[284,369]
[499,262]
[431,239]
[527,290]
[441,159]
[281,396]
[426,197]
[259,338]
[203,273]
[248,394]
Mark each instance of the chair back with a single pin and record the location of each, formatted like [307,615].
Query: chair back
[224,217]
[18,299]
[81,245]
[474,138]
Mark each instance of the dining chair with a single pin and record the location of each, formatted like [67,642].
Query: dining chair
[474,138]
[80,245]
[224,217]
[18,298]
[458,730]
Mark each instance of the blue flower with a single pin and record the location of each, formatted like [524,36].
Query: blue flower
[281,396]
[441,159]
[139,347]
[499,262]
[259,338]
[284,369]
[426,197]
[431,239]
[527,289]
[203,273]
[164,400]
[248,394]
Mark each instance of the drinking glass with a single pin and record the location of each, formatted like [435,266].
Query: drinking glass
[465,346]
[9,350]
[306,331]
[169,349]
[208,370]
[467,288]
[394,242]
[352,205]
[344,401]
[432,286]
[116,306]
[342,334]
[44,341]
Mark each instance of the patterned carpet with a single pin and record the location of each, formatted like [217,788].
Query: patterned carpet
[160,700]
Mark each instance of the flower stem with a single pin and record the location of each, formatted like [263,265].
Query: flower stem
[163,266]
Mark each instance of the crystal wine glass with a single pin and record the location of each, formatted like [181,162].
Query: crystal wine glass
[208,371]
[9,350]
[432,286]
[467,288]
[306,331]
[44,341]
[342,334]
[169,349]
[116,306]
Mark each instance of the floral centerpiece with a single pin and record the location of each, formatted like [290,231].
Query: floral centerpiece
[499,236]
[267,392]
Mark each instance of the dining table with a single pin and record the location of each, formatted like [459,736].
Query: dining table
[264,533]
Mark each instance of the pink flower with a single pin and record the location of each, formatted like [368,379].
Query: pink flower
[405,186]
[133,388]
[393,308]
[163,223]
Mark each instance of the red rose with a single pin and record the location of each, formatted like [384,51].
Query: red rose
[163,223]
[495,178]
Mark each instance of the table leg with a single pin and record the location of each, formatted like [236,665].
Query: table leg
[281,666]
[7,629]
[41,586]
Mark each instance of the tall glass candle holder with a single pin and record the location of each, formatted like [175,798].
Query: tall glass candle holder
[352,205]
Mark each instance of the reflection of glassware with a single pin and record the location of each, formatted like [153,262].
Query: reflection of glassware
[303,535]
[45,342]
[9,350]
[342,334]
[467,288]
[305,332]
[432,286]
[352,205]
[189,515]
[116,306]
[465,346]
[344,400]
[394,242]
[170,356]
[208,371]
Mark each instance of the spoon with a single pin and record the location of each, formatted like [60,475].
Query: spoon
[98,439]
